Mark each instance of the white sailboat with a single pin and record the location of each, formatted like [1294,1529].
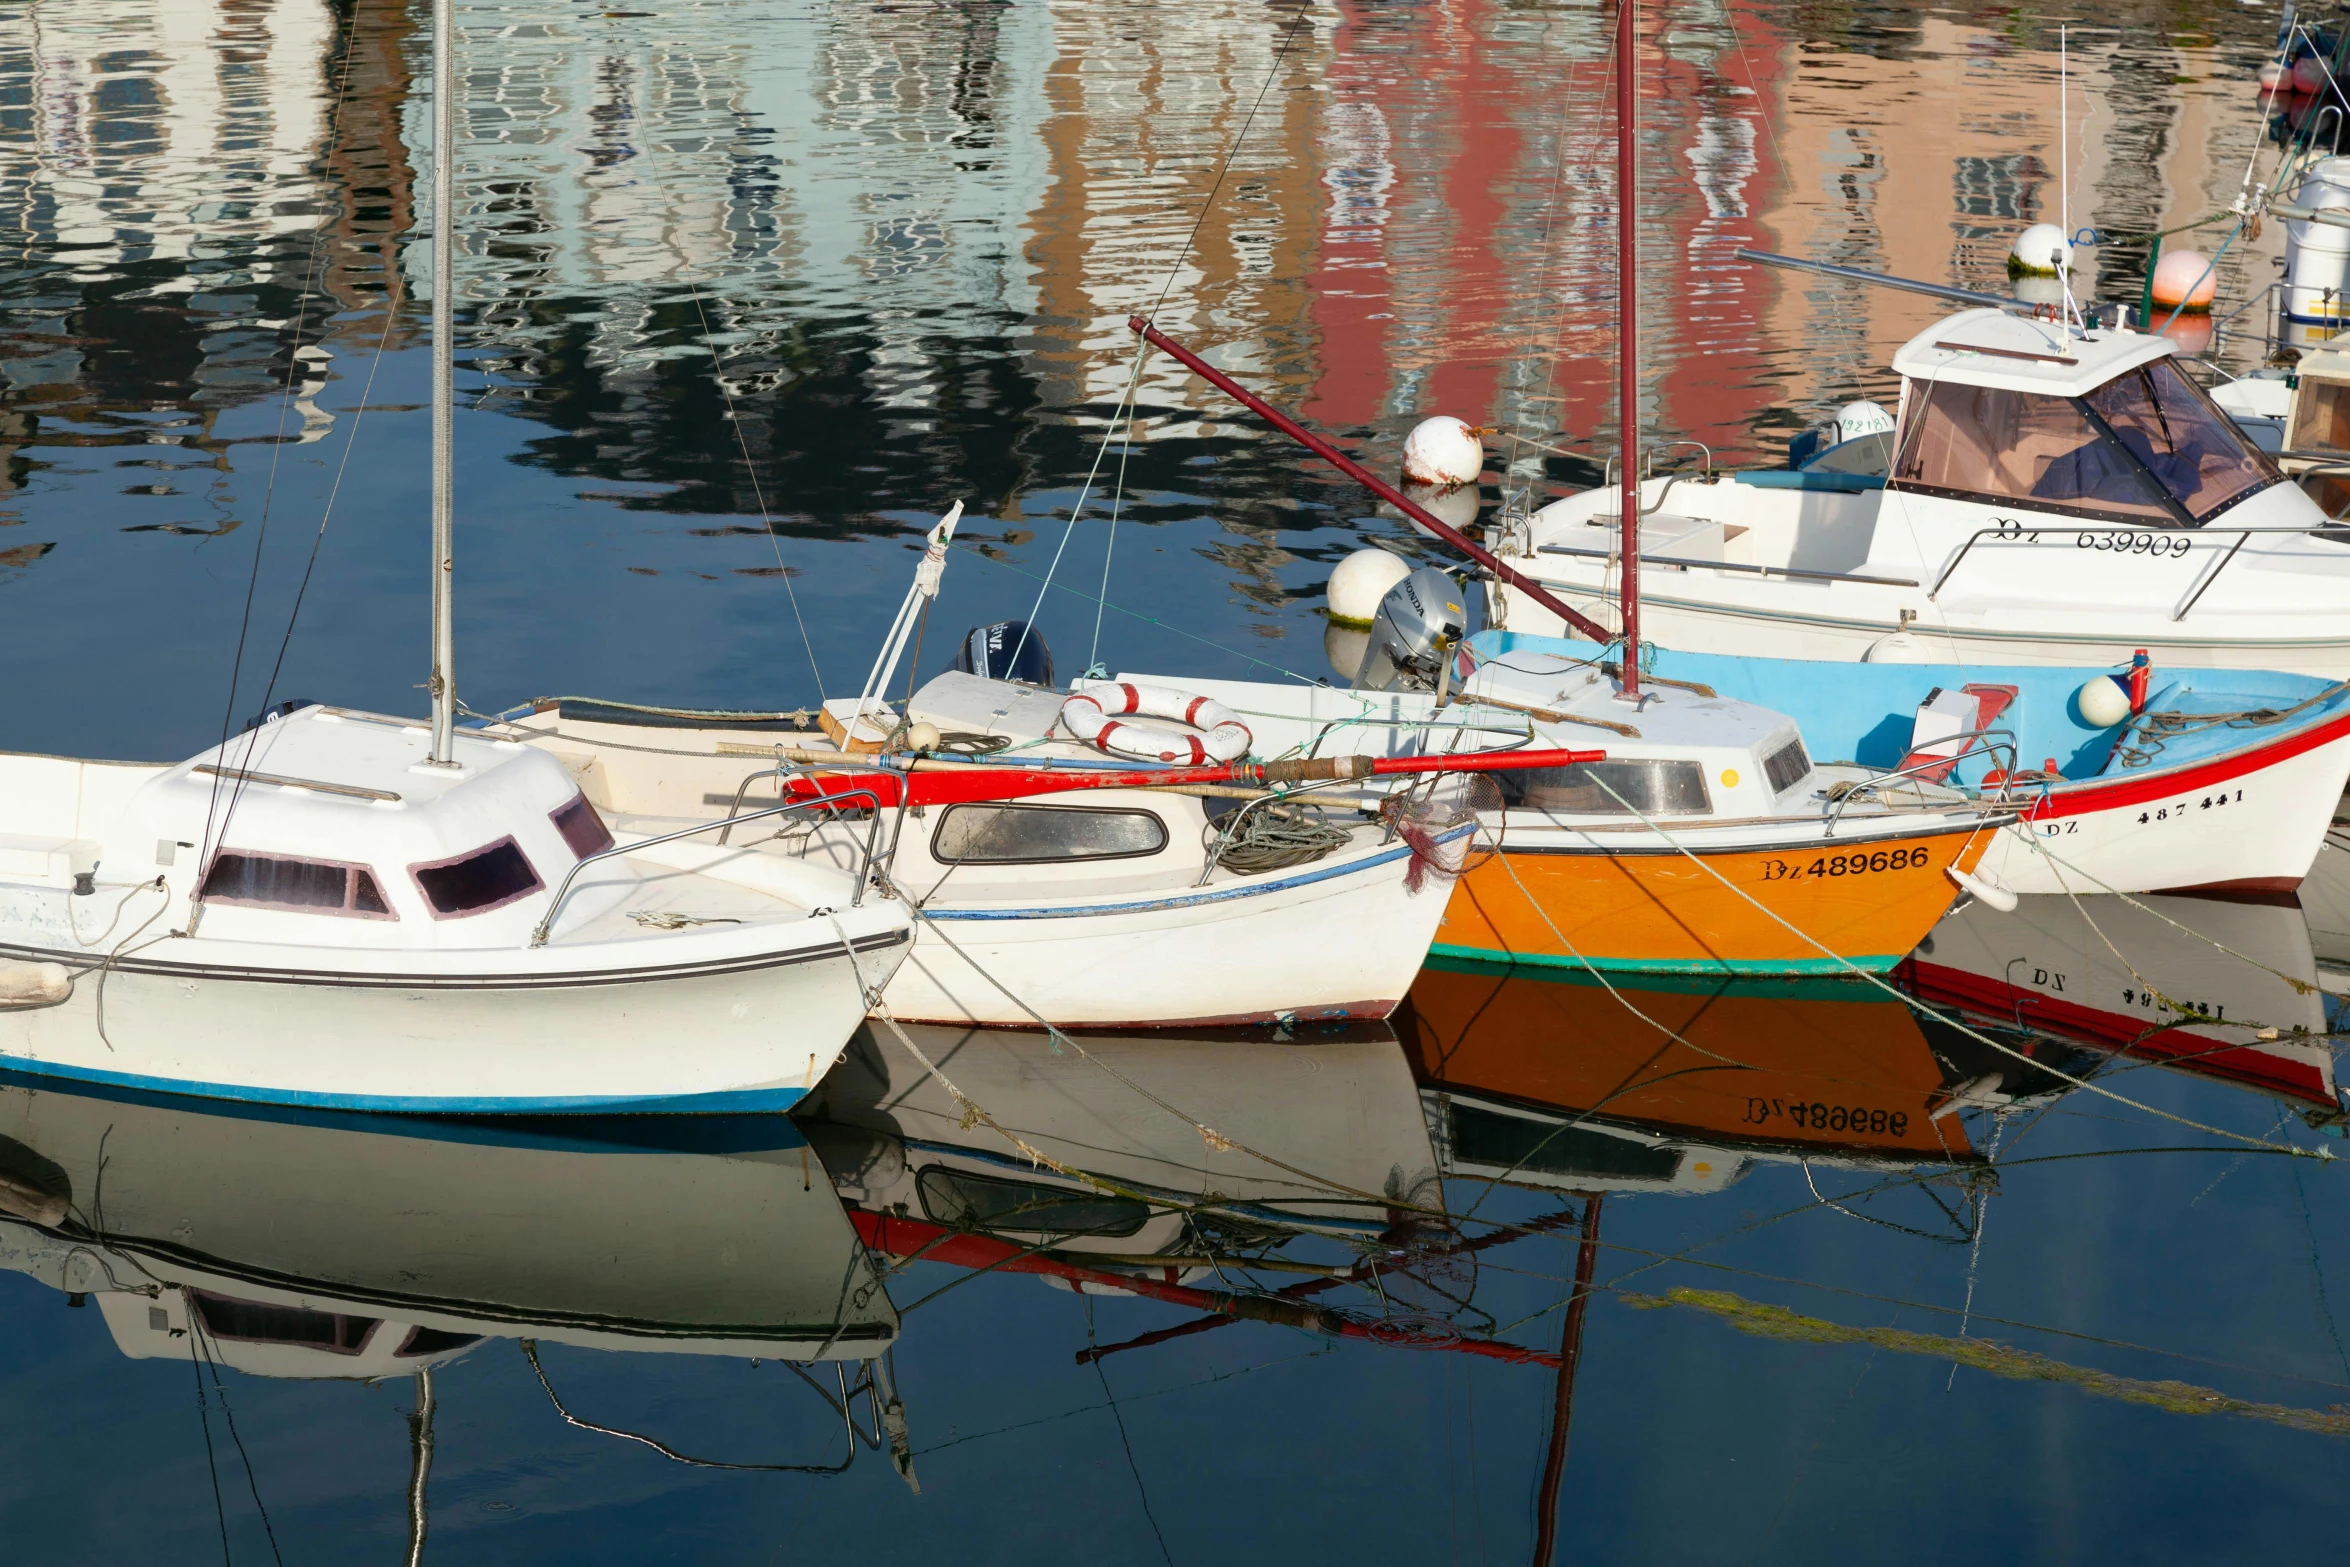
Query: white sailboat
[346,909]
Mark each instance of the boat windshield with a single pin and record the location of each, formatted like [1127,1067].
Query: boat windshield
[2146,447]
[2193,449]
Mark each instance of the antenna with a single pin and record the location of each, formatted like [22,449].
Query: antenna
[2064,171]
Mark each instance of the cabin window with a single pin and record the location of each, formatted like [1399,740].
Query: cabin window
[2171,456]
[277,881]
[2194,450]
[1982,443]
[1481,1136]
[1653,788]
[490,877]
[1786,766]
[582,828]
[2321,417]
[259,1322]
[433,1341]
[964,1201]
[1040,834]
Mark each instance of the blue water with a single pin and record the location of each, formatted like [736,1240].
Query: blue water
[911,234]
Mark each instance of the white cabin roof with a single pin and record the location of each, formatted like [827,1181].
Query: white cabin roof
[2015,353]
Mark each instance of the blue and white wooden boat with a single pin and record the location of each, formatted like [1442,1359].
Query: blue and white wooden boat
[2225,781]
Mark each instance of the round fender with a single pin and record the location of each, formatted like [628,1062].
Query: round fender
[1104,717]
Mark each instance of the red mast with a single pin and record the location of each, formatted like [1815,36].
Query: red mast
[1628,335]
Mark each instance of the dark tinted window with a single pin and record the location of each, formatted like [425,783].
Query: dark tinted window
[484,879]
[1651,788]
[269,881]
[435,1341]
[1785,767]
[2020,446]
[1514,1142]
[985,1202]
[254,1322]
[1029,834]
[582,828]
[2168,424]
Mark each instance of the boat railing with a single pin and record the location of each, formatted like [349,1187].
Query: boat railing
[725,826]
[1990,743]
[2161,539]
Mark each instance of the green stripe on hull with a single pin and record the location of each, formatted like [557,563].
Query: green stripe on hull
[1795,968]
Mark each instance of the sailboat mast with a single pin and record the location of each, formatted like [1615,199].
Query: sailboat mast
[1628,336]
[443,684]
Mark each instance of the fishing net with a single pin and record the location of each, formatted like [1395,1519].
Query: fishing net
[1445,826]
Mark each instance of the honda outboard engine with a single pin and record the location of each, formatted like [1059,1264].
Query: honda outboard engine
[1419,623]
[1007,650]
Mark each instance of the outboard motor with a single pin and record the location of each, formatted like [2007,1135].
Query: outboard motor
[1007,650]
[1419,623]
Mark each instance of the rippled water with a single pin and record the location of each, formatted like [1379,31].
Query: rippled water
[751,291]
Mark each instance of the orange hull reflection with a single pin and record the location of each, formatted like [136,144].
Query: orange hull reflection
[1795,1066]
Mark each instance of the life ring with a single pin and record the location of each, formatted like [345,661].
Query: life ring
[1100,716]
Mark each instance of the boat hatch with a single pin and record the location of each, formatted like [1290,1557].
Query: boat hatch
[2146,446]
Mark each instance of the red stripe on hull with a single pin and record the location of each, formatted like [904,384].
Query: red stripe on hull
[2014,1006]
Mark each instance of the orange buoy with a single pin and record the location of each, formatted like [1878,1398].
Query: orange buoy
[2185,280]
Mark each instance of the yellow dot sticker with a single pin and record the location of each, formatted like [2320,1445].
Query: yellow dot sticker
[1729,777]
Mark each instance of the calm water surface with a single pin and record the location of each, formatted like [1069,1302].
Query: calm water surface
[750,292]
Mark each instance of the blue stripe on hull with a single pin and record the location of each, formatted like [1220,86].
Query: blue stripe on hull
[724,1102]
[1790,966]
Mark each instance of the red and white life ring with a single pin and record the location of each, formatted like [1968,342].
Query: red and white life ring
[1100,716]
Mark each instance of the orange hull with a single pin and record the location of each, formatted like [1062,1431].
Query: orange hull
[1818,1065]
[1867,900]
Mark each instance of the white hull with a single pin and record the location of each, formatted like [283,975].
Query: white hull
[2244,826]
[1340,938]
[1841,624]
[751,1037]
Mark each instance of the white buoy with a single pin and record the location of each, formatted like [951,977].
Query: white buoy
[1855,420]
[1984,888]
[1898,648]
[922,737]
[2185,280]
[2275,78]
[34,984]
[2103,702]
[1443,451]
[2039,251]
[2309,74]
[1359,583]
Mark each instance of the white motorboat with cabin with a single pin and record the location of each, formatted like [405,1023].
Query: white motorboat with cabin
[2053,495]
[339,908]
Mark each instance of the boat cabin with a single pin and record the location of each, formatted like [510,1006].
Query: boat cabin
[2105,426]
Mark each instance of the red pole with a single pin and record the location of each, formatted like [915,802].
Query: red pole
[1628,330]
[1364,477]
[1554,1463]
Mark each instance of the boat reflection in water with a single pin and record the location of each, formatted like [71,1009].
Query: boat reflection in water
[2225,989]
[1681,1087]
[1096,1152]
[361,1247]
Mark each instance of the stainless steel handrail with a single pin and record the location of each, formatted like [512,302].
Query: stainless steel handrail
[1996,741]
[538,937]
